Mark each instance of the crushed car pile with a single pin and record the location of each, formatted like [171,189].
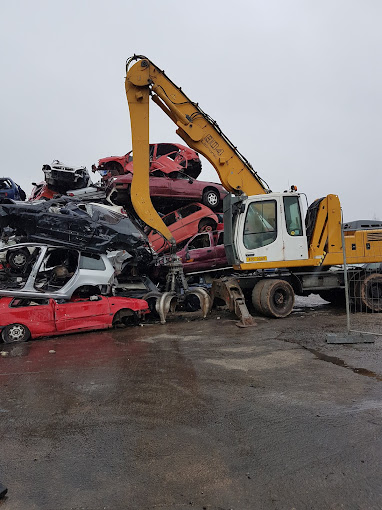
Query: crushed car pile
[74,257]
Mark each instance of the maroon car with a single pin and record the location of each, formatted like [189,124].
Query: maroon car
[205,251]
[177,186]
[163,156]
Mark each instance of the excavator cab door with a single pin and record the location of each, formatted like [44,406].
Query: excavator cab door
[271,229]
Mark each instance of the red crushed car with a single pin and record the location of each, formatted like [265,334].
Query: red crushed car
[25,318]
[183,224]
[205,251]
[167,156]
[41,191]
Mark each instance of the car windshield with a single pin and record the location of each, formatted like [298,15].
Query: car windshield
[5,184]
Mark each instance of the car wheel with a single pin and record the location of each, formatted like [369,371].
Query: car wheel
[211,198]
[17,259]
[123,317]
[206,225]
[15,333]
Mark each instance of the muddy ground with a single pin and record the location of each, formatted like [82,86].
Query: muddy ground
[195,414]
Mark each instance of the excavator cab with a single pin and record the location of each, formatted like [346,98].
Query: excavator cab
[270,228]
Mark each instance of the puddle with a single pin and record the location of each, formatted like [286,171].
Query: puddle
[341,363]
[15,350]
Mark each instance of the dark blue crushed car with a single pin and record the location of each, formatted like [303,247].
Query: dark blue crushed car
[9,189]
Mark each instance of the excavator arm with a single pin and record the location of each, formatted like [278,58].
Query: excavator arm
[196,128]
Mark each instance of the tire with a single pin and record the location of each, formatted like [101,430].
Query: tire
[369,292]
[15,333]
[211,198]
[18,259]
[123,317]
[256,296]
[206,225]
[276,298]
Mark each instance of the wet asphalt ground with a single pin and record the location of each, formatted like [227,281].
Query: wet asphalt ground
[195,414]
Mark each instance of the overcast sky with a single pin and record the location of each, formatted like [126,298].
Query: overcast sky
[295,84]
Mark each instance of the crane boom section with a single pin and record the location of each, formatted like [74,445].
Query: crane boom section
[195,127]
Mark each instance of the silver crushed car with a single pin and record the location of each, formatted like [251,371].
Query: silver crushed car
[34,270]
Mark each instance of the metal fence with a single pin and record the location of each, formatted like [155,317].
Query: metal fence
[363,292]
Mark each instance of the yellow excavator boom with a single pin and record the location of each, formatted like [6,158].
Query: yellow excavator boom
[195,127]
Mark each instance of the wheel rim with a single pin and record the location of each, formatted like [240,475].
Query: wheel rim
[19,259]
[212,199]
[16,332]
[279,298]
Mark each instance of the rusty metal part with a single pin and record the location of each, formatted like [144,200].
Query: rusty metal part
[176,292]
[167,302]
[229,290]
[204,299]
[175,278]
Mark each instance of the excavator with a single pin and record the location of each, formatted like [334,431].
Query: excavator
[275,253]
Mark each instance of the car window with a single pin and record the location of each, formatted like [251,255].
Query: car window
[169,219]
[20,302]
[157,173]
[108,217]
[167,148]
[220,238]
[293,216]
[200,241]
[179,175]
[92,261]
[37,190]
[260,228]
[189,209]
[5,184]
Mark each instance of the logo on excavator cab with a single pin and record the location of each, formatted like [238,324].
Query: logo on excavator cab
[210,143]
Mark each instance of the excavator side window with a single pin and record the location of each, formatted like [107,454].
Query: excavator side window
[260,227]
[293,216]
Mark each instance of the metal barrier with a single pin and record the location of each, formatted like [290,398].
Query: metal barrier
[363,295]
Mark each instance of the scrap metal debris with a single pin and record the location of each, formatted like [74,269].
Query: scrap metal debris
[91,227]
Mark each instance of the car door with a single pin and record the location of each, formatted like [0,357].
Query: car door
[160,184]
[200,253]
[183,187]
[36,314]
[83,314]
[188,221]
[221,257]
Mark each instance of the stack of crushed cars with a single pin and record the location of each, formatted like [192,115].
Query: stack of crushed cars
[75,242]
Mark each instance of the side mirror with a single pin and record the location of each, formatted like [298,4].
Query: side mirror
[187,255]
[190,180]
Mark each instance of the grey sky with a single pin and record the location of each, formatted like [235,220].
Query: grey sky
[295,84]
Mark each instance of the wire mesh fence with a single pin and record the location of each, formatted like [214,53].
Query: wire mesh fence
[363,287]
